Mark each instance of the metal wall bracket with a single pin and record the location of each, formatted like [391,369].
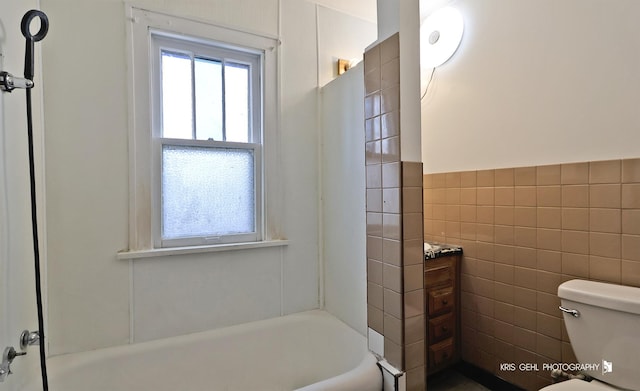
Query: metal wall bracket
[8,82]
[28,338]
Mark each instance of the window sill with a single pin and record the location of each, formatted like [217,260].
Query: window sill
[163,252]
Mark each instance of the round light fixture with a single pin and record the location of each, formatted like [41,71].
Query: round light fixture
[440,36]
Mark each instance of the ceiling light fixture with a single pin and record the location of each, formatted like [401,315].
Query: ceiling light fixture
[440,36]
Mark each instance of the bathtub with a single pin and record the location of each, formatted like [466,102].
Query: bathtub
[307,351]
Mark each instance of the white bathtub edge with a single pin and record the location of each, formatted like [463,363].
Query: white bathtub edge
[365,377]
[362,374]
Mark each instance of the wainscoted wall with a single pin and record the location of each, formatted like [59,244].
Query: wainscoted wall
[395,293]
[343,202]
[524,231]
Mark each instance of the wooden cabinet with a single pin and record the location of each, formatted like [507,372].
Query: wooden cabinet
[441,286]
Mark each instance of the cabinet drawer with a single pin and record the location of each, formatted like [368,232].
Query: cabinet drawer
[441,327]
[441,300]
[441,352]
[438,274]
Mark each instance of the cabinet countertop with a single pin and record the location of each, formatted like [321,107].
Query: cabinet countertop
[437,250]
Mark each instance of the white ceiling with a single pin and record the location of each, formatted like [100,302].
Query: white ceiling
[365,9]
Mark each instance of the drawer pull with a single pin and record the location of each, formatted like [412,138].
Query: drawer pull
[445,355]
[445,301]
[444,329]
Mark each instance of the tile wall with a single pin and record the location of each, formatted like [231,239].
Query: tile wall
[395,294]
[524,231]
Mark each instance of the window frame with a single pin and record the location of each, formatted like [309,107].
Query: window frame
[145,148]
[160,241]
[208,49]
[196,47]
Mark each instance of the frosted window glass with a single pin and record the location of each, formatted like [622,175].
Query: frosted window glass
[177,113]
[208,99]
[207,191]
[236,95]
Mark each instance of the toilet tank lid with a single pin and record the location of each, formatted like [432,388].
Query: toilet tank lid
[600,294]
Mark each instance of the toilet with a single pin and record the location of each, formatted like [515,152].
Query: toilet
[603,323]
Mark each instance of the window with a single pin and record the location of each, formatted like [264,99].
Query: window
[207,136]
[202,120]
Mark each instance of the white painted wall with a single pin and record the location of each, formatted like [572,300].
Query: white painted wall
[343,199]
[87,174]
[410,136]
[340,36]
[536,82]
[236,287]
[17,284]
[96,300]
[403,17]
[388,13]
[362,9]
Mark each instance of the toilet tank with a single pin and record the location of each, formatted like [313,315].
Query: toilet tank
[607,331]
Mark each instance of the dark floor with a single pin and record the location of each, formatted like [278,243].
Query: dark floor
[466,377]
[451,380]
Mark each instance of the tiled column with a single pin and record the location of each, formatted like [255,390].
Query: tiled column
[413,272]
[395,294]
